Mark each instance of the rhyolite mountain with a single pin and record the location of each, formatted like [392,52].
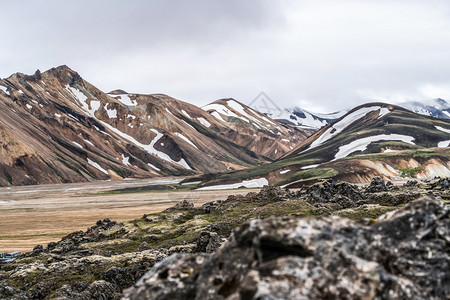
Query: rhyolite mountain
[438,108]
[56,127]
[302,118]
[374,139]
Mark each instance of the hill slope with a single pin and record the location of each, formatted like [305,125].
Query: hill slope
[375,139]
[57,127]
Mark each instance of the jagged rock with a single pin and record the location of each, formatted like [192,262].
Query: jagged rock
[328,190]
[404,255]
[210,206]
[377,185]
[435,184]
[184,205]
[38,249]
[41,290]
[208,242]
[172,278]
[411,183]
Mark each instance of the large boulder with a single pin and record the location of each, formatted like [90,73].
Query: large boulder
[404,255]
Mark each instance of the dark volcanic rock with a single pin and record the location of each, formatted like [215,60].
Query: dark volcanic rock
[402,256]
[377,185]
[343,193]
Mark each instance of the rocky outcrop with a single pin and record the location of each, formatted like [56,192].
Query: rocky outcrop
[403,255]
[109,256]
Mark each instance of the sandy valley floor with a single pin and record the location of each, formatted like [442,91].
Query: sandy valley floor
[34,215]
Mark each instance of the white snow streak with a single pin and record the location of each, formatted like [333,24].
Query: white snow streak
[89,142]
[204,122]
[309,167]
[186,114]
[112,113]
[169,111]
[125,99]
[284,171]
[185,139]
[217,116]
[361,144]
[222,109]
[97,166]
[150,147]
[4,89]
[153,167]
[442,129]
[78,145]
[125,160]
[339,126]
[253,183]
[444,144]
[95,105]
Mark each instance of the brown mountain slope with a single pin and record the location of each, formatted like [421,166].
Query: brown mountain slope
[57,127]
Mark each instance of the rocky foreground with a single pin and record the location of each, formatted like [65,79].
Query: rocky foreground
[323,241]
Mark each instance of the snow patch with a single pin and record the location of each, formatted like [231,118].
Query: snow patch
[5,90]
[217,116]
[186,114]
[169,111]
[57,115]
[442,129]
[221,109]
[339,126]
[284,171]
[28,106]
[443,144]
[89,142]
[112,113]
[185,139]
[94,105]
[125,160]
[97,166]
[390,150]
[78,145]
[153,167]
[361,144]
[253,183]
[150,147]
[131,116]
[309,167]
[204,122]
[125,99]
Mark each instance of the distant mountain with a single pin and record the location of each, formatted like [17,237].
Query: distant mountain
[438,108]
[305,119]
[374,139]
[57,127]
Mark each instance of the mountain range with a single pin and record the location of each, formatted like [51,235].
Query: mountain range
[374,139]
[56,127]
[437,108]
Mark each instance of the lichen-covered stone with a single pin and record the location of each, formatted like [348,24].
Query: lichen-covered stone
[404,255]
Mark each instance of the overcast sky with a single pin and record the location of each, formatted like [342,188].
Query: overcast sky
[320,55]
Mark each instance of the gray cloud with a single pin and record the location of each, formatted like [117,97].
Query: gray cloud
[321,55]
